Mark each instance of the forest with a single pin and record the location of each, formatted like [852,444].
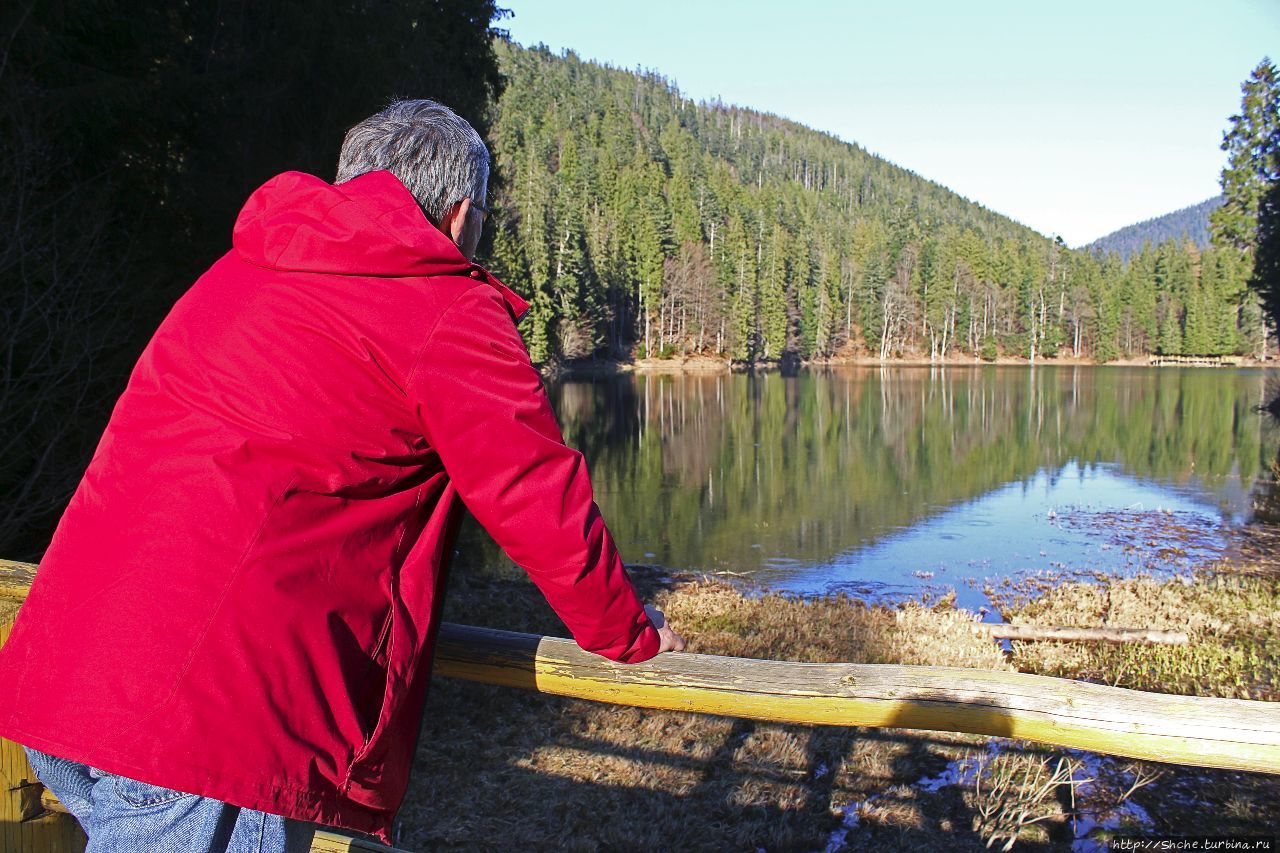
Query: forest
[637,221]
[642,224]
[1189,223]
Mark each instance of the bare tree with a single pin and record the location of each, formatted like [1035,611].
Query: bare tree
[1079,311]
[61,316]
[897,306]
[693,301]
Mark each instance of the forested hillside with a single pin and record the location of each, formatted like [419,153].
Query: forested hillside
[1189,223]
[638,222]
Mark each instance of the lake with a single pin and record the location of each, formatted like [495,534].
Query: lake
[900,481]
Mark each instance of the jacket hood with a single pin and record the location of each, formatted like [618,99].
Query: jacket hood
[368,226]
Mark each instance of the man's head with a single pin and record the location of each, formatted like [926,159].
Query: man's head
[436,154]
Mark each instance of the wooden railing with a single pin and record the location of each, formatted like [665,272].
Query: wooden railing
[1208,732]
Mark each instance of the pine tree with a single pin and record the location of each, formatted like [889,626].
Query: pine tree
[1198,336]
[629,213]
[773,287]
[1141,323]
[1266,261]
[745,299]
[827,298]
[1253,159]
[1249,219]
[1173,284]
[1221,290]
[1106,298]
[580,300]
[533,199]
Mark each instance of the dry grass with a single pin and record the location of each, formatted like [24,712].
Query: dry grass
[502,769]
[1233,620]
[1011,796]
[721,620]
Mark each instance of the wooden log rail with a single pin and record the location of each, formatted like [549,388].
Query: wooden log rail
[1102,635]
[1201,731]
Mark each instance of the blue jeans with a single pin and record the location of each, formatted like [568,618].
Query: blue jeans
[121,814]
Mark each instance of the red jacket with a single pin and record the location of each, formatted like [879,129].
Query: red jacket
[242,596]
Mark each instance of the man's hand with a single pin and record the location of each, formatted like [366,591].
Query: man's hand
[671,641]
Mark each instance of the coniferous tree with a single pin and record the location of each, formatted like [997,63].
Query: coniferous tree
[1247,220]
[1266,260]
[1253,159]
[646,223]
[1108,307]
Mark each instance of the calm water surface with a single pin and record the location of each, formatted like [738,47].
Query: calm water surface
[898,481]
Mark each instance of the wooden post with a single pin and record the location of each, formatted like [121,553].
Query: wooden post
[25,824]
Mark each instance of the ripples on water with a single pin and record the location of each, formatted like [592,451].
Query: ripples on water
[900,481]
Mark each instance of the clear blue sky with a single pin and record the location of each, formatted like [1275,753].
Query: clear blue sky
[1075,118]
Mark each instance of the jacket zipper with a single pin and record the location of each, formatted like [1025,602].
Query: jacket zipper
[384,641]
[384,636]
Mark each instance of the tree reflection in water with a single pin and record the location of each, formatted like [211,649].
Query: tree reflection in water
[749,472]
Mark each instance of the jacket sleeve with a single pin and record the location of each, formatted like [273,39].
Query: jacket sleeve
[482,406]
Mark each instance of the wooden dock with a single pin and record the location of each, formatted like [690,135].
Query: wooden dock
[1197,360]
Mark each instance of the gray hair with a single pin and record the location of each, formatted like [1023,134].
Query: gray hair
[434,152]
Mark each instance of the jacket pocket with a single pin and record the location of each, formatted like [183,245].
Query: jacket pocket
[365,780]
[371,694]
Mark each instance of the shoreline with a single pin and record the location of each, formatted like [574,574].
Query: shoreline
[708,365]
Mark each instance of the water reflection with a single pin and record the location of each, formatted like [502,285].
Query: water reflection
[871,479]
[1079,520]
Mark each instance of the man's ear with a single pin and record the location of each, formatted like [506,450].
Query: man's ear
[455,221]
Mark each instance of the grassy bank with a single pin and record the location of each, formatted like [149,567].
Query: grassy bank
[1233,620]
[498,768]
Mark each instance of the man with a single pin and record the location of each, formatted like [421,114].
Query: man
[230,634]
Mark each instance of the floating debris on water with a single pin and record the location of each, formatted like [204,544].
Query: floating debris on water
[1157,538]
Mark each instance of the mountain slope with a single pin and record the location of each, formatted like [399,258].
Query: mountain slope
[639,223]
[1191,222]
[640,217]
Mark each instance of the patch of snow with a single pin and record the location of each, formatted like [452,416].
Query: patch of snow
[849,821]
[1128,815]
[959,772]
